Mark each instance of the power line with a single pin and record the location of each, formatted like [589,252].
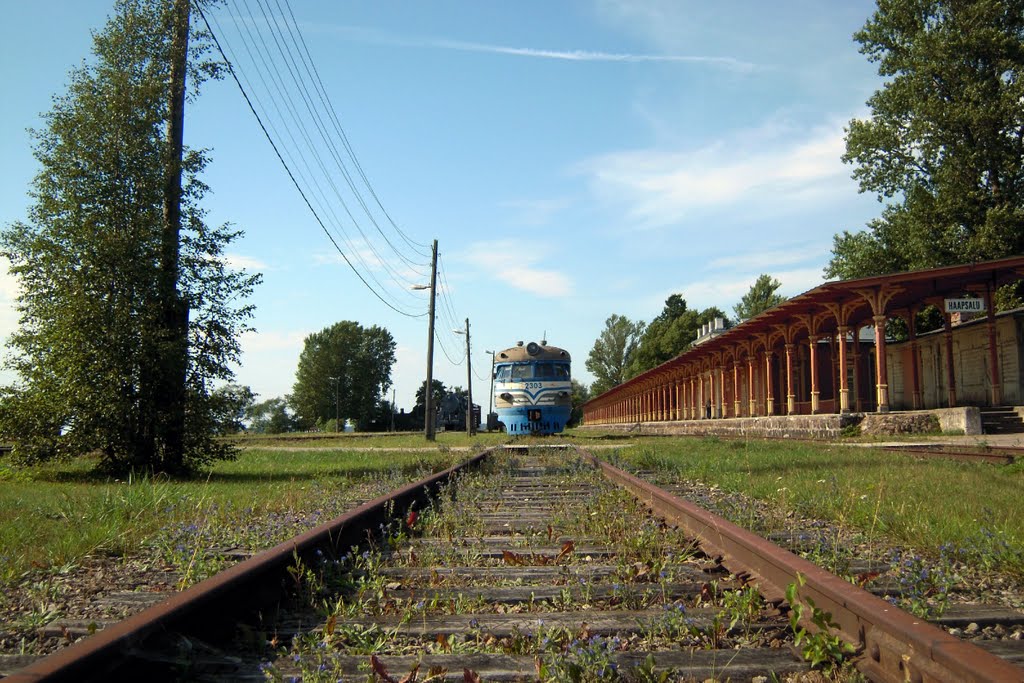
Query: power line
[344,137]
[281,88]
[294,72]
[288,170]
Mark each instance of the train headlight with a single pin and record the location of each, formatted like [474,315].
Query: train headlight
[505,397]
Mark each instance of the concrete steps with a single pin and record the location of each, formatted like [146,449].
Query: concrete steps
[1002,420]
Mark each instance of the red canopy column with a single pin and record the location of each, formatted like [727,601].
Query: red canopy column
[736,387]
[677,388]
[720,396]
[844,389]
[878,298]
[790,395]
[752,398]
[881,365]
[769,398]
[815,391]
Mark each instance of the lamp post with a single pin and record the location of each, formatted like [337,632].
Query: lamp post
[470,427]
[337,403]
[428,414]
[490,396]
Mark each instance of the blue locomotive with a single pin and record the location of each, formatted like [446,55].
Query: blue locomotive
[532,388]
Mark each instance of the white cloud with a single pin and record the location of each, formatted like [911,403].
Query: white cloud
[514,263]
[729,63]
[726,289]
[238,262]
[764,261]
[773,165]
[375,36]
[535,212]
[273,340]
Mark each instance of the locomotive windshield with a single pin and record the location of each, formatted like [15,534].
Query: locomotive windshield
[525,371]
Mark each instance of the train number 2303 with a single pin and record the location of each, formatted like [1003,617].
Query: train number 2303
[534,385]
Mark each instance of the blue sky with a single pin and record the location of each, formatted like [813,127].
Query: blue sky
[573,159]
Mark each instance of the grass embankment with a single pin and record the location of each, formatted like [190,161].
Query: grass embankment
[53,515]
[974,511]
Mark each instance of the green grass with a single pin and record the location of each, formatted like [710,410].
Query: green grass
[358,441]
[933,505]
[53,515]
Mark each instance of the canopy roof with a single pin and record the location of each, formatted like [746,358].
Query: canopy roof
[855,302]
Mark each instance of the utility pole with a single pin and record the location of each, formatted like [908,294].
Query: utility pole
[470,427]
[428,403]
[169,387]
[490,397]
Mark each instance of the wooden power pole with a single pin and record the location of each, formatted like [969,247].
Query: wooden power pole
[428,402]
[470,426]
[173,346]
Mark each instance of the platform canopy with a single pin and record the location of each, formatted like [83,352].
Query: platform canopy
[836,306]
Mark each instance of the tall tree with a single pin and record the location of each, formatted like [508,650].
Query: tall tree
[436,396]
[759,298]
[229,406]
[944,146]
[580,395]
[272,416]
[669,334]
[88,259]
[343,369]
[613,351]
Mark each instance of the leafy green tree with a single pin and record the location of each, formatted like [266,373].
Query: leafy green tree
[612,352]
[229,406]
[344,368]
[580,395]
[436,396]
[672,332]
[272,416]
[944,146]
[88,259]
[759,298]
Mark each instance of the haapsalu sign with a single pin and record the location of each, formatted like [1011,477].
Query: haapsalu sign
[965,305]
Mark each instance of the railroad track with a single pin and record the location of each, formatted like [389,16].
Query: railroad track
[1001,455]
[534,566]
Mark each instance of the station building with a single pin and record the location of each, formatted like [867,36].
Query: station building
[825,352]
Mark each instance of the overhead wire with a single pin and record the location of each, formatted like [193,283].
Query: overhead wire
[291,134]
[281,86]
[280,41]
[344,137]
[296,164]
[310,66]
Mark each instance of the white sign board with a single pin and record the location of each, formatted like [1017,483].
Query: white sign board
[965,305]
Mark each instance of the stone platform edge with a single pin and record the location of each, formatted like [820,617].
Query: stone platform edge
[961,420]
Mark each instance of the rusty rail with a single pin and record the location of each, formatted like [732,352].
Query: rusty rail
[895,646]
[1001,455]
[214,605]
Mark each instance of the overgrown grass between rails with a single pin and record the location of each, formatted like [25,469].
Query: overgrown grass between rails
[53,515]
[932,504]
